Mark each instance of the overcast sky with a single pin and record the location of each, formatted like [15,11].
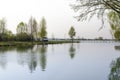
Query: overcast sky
[58,14]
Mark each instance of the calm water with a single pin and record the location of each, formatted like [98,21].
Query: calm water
[81,61]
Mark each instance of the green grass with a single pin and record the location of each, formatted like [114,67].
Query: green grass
[19,43]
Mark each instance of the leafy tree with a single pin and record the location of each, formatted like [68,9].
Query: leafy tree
[21,28]
[71,32]
[23,37]
[114,21]
[115,70]
[89,8]
[117,34]
[22,34]
[9,35]
[43,32]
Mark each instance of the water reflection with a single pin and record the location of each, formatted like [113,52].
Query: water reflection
[115,70]
[42,53]
[33,56]
[30,56]
[38,62]
[117,47]
[72,51]
[3,56]
[24,49]
[5,49]
[32,63]
[3,60]
[26,56]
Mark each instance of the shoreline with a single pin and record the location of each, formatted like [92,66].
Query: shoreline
[30,43]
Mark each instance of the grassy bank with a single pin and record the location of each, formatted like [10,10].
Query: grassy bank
[18,43]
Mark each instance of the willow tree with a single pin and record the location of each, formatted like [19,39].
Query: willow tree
[114,20]
[71,32]
[115,70]
[43,32]
[89,8]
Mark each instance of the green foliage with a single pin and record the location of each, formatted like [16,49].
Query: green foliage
[115,70]
[43,32]
[72,32]
[23,37]
[117,34]
[114,21]
[21,28]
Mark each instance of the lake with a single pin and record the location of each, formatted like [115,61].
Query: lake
[77,61]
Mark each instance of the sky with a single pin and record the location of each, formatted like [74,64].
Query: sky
[58,14]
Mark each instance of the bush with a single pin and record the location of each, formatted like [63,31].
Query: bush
[23,37]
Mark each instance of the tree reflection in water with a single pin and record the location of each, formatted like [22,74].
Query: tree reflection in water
[32,61]
[26,56]
[115,70]
[117,48]
[43,49]
[72,51]
[3,56]
[30,57]
[3,60]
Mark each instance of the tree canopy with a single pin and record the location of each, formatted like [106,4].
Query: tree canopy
[89,8]
[114,21]
[71,32]
[43,32]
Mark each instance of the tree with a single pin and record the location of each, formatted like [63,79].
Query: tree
[21,28]
[43,32]
[114,21]
[22,32]
[115,70]
[71,32]
[2,28]
[2,25]
[8,35]
[35,25]
[32,25]
[88,8]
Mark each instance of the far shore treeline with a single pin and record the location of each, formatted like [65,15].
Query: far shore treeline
[31,31]
[25,31]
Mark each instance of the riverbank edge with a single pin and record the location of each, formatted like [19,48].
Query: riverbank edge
[30,43]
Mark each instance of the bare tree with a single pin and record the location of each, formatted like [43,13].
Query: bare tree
[32,25]
[35,28]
